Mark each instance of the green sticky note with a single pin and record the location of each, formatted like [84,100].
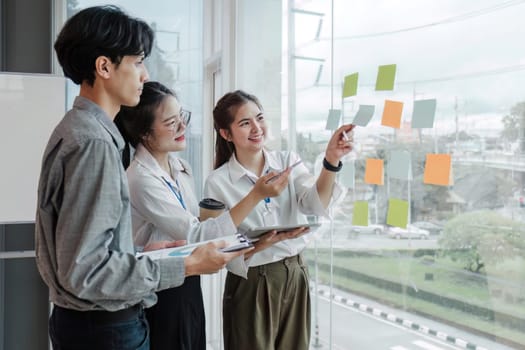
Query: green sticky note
[385,77]
[360,217]
[350,85]
[397,213]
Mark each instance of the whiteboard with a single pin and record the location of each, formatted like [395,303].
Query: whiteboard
[30,108]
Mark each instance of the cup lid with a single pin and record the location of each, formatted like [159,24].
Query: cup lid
[210,203]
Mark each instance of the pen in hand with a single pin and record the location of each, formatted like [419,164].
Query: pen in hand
[273,178]
[348,135]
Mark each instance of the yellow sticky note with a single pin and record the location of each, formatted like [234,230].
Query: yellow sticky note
[374,171]
[392,114]
[360,215]
[437,169]
[350,85]
[397,213]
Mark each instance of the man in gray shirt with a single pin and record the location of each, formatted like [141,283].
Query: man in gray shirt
[84,244]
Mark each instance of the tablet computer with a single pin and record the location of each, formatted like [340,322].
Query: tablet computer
[237,247]
[256,232]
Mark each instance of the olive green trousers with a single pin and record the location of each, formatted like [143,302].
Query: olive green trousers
[270,310]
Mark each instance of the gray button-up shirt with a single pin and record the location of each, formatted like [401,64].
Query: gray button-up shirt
[84,247]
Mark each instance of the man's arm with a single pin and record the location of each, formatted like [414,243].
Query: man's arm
[94,248]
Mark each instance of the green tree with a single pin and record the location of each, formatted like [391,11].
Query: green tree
[483,187]
[476,239]
[510,128]
[513,125]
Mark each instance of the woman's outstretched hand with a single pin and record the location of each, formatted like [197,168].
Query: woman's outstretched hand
[340,144]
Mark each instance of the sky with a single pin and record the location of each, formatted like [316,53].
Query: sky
[468,54]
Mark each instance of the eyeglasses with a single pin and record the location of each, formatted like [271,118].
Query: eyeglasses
[185,116]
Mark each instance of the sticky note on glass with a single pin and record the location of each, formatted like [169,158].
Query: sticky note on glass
[385,77]
[374,171]
[360,215]
[399,165]
[392,114]
[363,115]
[347,175]
[437,169]
[350,85]
[397,214]
[424,113]
[332,123]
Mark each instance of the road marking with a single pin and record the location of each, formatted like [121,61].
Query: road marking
[425,345]
[366,314]
[437,336]
[441,335]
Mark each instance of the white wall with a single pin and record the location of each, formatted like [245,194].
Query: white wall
[31,107]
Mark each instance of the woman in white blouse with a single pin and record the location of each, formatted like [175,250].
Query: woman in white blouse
[267,305]
[164,207]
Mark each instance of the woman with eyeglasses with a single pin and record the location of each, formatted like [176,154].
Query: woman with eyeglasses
[164,207]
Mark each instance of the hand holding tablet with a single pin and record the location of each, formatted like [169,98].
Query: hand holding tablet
[256,232]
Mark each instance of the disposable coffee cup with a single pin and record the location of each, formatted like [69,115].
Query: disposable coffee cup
[210,208]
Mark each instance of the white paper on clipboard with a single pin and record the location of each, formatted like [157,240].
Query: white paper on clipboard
[233,243]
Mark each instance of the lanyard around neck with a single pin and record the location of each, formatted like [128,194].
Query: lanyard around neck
[176,192]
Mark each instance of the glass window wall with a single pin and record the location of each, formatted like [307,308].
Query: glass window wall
[454,276]
[176,59]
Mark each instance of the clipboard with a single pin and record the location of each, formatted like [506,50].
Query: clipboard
[234,243]
[256,232]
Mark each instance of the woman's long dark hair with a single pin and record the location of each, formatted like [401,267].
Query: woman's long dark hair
[223,117]
[134,123]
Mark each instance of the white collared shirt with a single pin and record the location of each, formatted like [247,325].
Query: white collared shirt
[231,182]
[156,212]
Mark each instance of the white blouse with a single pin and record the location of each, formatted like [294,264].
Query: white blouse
[231,182]
[158,212]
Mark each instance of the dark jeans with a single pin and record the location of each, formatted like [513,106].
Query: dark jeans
[75,330]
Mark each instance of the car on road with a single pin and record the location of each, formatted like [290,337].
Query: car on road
[410,231]
[375,229]
[432,228]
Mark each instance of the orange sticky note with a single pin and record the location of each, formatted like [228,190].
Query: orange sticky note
[392,114]
[374,171]
[437,169]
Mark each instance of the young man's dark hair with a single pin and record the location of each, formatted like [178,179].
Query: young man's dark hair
[115,35]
